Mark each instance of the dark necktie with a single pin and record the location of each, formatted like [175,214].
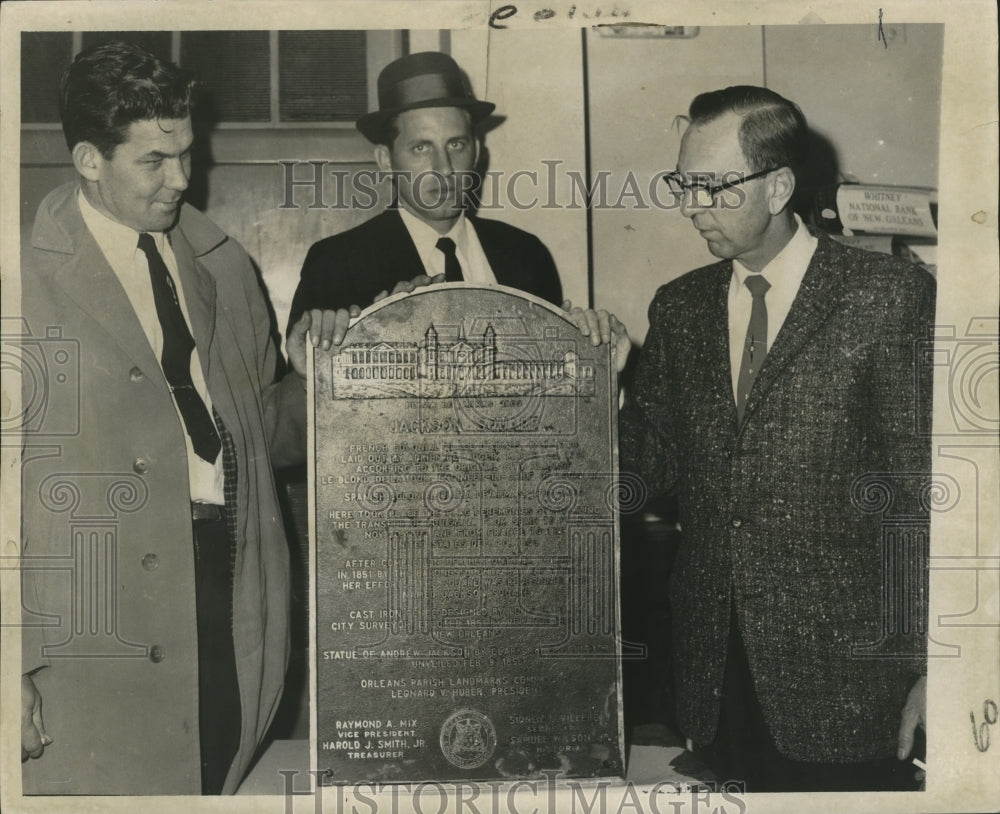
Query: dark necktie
[452,268]
[176,357]
[755,345]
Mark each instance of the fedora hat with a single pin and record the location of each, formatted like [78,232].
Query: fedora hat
[427,79]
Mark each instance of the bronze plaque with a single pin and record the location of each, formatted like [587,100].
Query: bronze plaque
[464,496]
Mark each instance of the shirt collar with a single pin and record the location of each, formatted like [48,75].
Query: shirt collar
[425,237]
[789,265]
[118,241]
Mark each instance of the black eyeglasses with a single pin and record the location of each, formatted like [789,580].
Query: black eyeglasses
[702,192]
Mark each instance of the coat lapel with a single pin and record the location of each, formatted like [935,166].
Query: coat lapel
[712,319]
[401,252]
[91,283]
[199,296]
[88,279]
[505,272]
[818,296]
[503,258]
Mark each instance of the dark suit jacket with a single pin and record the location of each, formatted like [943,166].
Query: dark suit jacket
[781,515]
[354,266]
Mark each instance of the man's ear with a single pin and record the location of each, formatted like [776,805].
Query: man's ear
[782,189]
[87,160]
[383,157]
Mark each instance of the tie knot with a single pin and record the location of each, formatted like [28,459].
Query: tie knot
[447,246]
[757,284]
[146,244]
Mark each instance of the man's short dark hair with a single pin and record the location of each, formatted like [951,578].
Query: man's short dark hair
[112,85]
[773,132]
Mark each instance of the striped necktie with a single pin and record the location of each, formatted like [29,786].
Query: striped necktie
[176,356]
[755,345]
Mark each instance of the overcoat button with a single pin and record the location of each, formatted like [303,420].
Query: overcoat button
[737,522]
[150,561]
[156,654]
[140,466]
[136,375]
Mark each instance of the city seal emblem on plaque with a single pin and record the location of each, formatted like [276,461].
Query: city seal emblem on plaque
[468,739]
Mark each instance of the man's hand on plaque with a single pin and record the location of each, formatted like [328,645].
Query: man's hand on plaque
[409,286]
[914,715]
[602,328]
[323,329]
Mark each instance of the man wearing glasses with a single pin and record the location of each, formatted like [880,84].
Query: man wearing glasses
[772,387]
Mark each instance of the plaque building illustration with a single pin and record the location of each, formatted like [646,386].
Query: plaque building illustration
[438,368]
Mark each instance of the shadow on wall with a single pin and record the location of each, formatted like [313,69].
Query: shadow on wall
[822,170]
[204,121]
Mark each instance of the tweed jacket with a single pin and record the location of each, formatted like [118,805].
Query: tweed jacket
[768,518]
[354,266]
[106,519]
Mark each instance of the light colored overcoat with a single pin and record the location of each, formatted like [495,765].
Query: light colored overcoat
[108,585]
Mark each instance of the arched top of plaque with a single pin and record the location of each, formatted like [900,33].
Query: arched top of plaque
[466,341]
[464,286]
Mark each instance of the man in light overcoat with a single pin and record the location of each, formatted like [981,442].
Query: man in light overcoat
[155,573]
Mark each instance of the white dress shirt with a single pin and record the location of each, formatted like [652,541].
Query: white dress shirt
[468,250]
[784,273]
[120,245]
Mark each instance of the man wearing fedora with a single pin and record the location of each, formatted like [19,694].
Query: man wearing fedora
[423,134]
